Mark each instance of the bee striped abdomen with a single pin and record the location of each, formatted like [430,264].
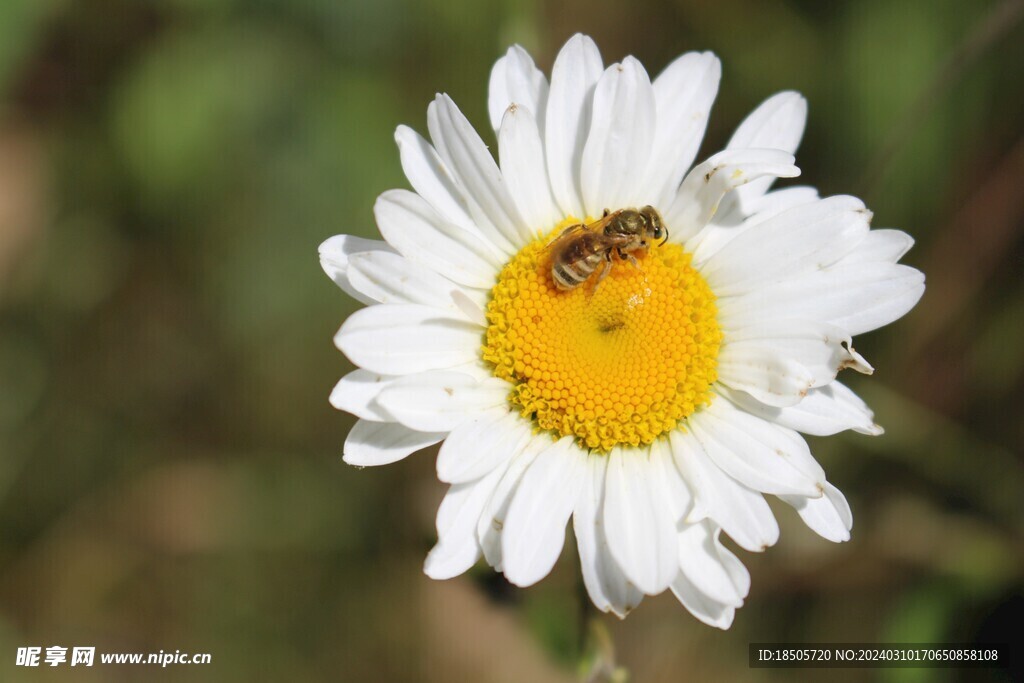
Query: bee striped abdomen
[569,275]
[578,261]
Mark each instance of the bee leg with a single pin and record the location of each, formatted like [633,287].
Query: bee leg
[626,256]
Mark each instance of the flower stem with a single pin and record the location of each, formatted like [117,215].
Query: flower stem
[596,646]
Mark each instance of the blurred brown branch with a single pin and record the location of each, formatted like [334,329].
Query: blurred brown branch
[986,33]
[959,264]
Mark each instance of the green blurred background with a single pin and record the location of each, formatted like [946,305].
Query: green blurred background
[170,470]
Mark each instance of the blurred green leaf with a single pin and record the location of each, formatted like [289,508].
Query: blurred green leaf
[20,25]
[186,112]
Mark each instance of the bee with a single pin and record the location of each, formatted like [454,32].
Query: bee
[580,249]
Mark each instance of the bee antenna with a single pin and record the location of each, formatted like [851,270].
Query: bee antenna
[666,236]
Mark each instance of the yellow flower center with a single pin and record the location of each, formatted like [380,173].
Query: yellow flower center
[619,362]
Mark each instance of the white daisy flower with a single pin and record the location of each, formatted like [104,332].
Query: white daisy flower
[656,403]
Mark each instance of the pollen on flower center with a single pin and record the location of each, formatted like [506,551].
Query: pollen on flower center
[619,363]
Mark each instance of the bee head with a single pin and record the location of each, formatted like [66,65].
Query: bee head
[653,223]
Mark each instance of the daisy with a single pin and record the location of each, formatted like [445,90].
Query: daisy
[656,408]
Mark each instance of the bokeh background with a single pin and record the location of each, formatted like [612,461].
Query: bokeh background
[170,469]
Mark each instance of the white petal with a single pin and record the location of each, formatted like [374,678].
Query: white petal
[756,453]
[607,585]
[534,529]
[441,401]
[741,512]
[382,443]
[335,253]
[698,198]
[778,123]
[737,571]
[388,278]
[404,338]
[679,497]
[884,245]
[492,521]
[620,138]
[777,201]
[639,521]
[859,297]
[824,411]
[480,444]
[498,98]
[471,303]
[357,393]
[525,170]
[829,515]
[731,221]
[822,349]
[477,369]
[708,610]
[514,78]
[409,224]
[767,374]
[457,548]
[474,168]
[683,94]
[803,239]
[431,179]
[701,561]
[903,289]
[567,122]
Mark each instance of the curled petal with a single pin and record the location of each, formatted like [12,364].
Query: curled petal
[335,254]
[704,187]
[778,123]
[828,515]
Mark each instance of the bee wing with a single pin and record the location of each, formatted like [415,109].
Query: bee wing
[567,234]
[597,226]
[601,223]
